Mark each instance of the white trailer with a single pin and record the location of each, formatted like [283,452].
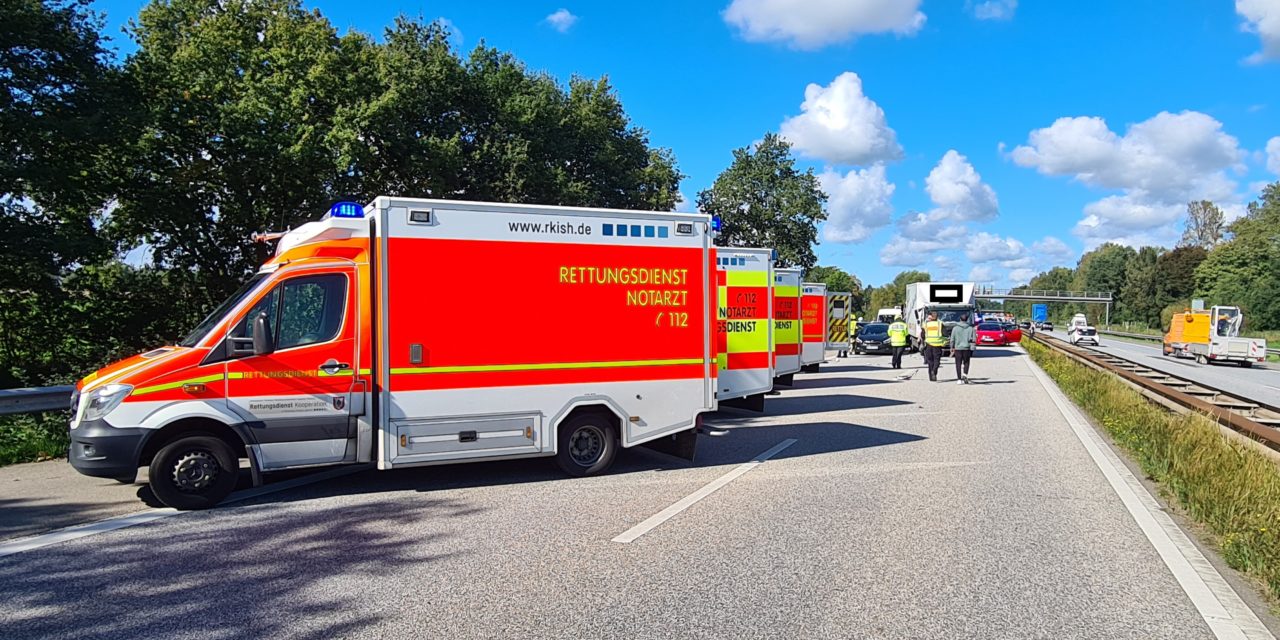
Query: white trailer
[950,300]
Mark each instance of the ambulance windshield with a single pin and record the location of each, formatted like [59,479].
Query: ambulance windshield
[212,319]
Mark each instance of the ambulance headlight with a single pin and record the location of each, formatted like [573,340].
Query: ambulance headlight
[105,399]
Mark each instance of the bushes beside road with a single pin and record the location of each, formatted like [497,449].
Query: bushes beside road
[31,438]
[1229,488]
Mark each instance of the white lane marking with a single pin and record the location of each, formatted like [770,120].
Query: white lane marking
[1216,602]
[688,501]
[78,531]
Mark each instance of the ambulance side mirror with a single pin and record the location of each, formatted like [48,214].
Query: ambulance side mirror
[264,342]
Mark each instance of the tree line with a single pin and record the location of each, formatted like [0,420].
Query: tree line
[1233,264]
[129,188]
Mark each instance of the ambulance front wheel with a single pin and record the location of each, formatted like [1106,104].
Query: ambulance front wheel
[588,444]
[194,472]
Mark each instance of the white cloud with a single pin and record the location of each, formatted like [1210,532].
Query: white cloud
[1022,276]
[1158,165]
[958,191]
[1273,155]
[983,274]
[562,20]
[685,205]
[841,125]
[1170,156]
[1263,18]
[908,252]
[1053,250]
[860,202]
[1129,220]
[986,247]
[813,24]
[995,9]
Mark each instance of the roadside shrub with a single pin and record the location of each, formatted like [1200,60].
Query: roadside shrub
[33,437]
[1221,483]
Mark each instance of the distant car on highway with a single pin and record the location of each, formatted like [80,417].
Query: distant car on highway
[873,338]
[1046,326]
[992,334]
[1012,333]
[1078,335]
[1024,325]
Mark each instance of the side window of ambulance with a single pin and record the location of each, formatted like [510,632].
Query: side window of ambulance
[311,310]
[244,329]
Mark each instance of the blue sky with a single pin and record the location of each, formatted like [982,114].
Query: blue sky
[1012,135]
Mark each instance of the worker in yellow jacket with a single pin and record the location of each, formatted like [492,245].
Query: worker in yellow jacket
[931,336]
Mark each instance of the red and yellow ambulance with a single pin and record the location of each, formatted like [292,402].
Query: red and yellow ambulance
[744,331]
[786,324]
[369,338]
[813,325]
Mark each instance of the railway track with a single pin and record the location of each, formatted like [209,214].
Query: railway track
[1258,420]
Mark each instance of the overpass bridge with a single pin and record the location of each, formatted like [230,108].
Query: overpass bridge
[1048,295]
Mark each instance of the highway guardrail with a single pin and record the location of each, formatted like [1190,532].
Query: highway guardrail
[35,399]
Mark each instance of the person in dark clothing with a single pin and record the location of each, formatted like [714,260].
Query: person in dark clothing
[964,338]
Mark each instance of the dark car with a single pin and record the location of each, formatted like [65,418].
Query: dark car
[1046,326]
[1024,325]
[873,338]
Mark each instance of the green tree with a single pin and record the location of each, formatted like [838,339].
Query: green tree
[1245,270]
[1177,273]
[487,128]
[1139,299]
[1102,270]
[838,279]
[894,293]
[62,115]
[763,201]
[1204,226]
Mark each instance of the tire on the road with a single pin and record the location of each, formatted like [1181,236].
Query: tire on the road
[1201,359]
[587,444]
[194,472]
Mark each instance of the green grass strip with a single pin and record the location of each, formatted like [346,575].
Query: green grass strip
[1225,485]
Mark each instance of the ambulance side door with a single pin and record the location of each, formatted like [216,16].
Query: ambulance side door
[299,401]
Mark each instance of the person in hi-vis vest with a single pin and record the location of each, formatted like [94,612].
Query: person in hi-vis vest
[934,342]
[898,333]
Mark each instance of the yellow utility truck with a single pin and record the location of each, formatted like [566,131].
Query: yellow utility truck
[1213,336]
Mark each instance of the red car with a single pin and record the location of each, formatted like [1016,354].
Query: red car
[992,334]
[1012,334]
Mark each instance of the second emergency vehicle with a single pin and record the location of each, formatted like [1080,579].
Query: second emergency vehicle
[358,342]
[744,326]
[813,325]
[786,324]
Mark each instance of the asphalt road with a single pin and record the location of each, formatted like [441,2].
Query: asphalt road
[1256,383]
[905,509]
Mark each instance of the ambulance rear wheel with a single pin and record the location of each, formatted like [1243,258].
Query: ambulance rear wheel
[588,444]
[194,472]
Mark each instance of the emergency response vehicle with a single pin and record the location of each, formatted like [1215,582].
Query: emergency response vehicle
[359,342]
[813,326]
[744,328]
[1213,336]
[838,321]
[786,325]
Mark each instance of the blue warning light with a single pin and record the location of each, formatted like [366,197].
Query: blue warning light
[715,223]
[346,210]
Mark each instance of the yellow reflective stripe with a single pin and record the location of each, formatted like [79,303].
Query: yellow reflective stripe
[782,291]
[753,341]
[747,278]
[722,299]
[786,331]
[174,385]
[546,366]
[722,361]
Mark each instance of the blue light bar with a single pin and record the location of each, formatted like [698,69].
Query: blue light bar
[715,223]
[346,210]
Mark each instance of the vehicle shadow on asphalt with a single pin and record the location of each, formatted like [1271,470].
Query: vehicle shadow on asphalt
[258,578]
[823,383]
[20,517]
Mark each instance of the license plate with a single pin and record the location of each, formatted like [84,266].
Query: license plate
[988,339]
